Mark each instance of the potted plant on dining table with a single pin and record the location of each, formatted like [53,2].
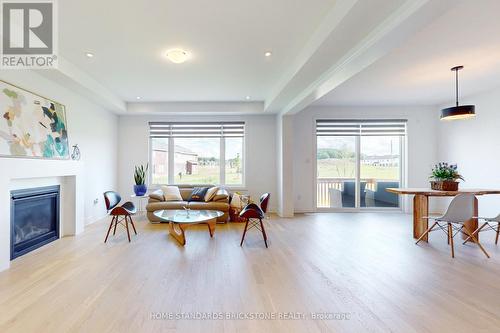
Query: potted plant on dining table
[445,177]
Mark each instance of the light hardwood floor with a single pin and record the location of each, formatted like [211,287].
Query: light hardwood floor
[365,265]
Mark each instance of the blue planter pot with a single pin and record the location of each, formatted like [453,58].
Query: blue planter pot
[140,190]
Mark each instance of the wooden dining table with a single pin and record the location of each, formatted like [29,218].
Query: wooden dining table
[421,207]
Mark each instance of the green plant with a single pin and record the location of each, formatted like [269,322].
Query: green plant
[444,171]
[140,174]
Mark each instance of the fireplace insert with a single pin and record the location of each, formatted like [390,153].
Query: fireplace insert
[34,219]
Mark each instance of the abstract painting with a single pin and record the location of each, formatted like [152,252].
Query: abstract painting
[31,125]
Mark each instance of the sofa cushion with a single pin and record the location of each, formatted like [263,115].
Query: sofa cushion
[198,194]
[157,196]
[171,193]
[185,192]
[212,191]
[211,205]
[153,206]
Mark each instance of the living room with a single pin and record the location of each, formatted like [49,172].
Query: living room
[249,166]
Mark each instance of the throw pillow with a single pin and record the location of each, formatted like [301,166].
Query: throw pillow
[211,193]
[198,194]
[236,201]
[171,193]
[221,195]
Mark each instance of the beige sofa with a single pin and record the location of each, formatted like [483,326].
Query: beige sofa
[157,202]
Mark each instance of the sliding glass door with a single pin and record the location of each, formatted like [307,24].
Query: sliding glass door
[356,161]
[336,171]
[380,168]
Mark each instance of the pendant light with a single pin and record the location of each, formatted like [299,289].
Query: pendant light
[458,111]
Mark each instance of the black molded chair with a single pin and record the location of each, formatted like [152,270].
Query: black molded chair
[254,215]
[125,212]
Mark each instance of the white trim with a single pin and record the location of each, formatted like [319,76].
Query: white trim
[150,159]
[243,167]
[222,160]
[314,160]
[357,173]
[171,161]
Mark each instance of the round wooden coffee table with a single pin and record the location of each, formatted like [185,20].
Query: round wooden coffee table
[182,219]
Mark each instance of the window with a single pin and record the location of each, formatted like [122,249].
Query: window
[197,153]
[197,161]
[159,160]
[356,160]
[234,161]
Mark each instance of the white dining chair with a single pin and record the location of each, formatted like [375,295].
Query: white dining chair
[490,223]
[460,210]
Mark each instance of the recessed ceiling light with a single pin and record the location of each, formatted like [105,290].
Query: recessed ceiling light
[177,56]
[89,54]
[268,54]
[247,98]
[138,97]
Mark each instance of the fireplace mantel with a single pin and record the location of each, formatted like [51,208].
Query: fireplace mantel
[18,173]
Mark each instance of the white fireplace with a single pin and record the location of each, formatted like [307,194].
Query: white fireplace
[16,173]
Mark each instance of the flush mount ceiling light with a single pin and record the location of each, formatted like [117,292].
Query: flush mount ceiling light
[247,98]
[138,97]
[458,111]
[89,54]
[268,54]
[177,56]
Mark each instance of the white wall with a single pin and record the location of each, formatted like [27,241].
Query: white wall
[260,149]
[421,145]
[474,145]
[284,163]
[90,126]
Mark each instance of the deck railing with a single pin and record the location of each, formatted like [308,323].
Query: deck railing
[329,191]
[324,187]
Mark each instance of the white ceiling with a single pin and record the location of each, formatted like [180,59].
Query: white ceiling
[417,72]
[227,39]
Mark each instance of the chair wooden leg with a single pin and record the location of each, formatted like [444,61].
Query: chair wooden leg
[109,229]
[450,239]
[426,232]
[475,232]
[498,232]
[480,246]
[449,235]
[116,223]
[132,222]
[244,232]
[126,225]
[263,231]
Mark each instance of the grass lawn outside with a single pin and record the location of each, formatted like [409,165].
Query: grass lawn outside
[204,175]
[337,168]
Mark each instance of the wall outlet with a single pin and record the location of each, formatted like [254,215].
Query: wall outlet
[96,201]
